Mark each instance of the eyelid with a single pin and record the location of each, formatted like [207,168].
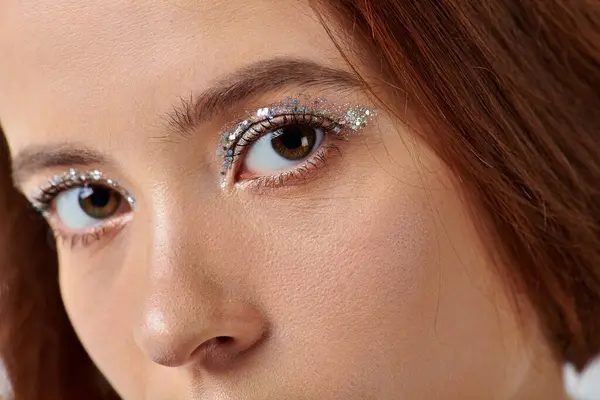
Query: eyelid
[340,120]
[259,129]
[234,145]
[44,202]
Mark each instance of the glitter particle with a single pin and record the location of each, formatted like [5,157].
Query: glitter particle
[262,112]
[96,175]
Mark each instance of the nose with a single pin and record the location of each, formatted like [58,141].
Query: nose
[192,329]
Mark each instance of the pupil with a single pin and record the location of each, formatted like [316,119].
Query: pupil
[292,137]
[97,197]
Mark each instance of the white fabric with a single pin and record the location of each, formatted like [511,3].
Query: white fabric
[584,386]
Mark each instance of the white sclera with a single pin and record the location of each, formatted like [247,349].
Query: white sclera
[262,159]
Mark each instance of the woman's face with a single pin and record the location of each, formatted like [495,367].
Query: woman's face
[334,259]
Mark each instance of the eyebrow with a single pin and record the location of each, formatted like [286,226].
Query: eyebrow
[36,158]
[258,78]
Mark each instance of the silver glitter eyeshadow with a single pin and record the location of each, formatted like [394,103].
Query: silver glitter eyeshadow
[72,179]
[347,119]
[357,118]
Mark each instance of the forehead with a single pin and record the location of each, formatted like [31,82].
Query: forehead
[81,69]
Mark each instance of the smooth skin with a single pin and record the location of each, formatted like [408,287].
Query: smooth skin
[367,281]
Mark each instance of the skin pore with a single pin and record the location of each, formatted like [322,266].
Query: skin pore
[363,278]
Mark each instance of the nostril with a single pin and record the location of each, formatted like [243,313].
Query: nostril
[219,352]
[219,342]
[211,337]
[219,345]
[224,340]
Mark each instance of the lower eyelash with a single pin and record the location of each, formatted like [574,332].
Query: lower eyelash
[301,174]
[106,231]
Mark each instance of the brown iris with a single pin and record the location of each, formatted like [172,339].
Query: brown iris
[294,142]
[99,202]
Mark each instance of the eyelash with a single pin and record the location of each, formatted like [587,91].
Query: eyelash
[234,150]
[300,174]
[47,195]
[107,230]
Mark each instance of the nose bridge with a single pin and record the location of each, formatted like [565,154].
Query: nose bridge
[184,306]
[176,304]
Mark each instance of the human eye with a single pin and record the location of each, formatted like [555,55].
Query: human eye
[286,141]
[83,208]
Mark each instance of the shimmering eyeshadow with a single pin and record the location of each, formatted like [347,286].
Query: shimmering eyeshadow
[310,113]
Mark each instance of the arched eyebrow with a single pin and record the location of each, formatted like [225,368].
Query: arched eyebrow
[33,159]
[256,79]
[252,80]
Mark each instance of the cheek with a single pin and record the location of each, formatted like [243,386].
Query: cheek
[347,275]
[339,268]
[384,273]
[101,309]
